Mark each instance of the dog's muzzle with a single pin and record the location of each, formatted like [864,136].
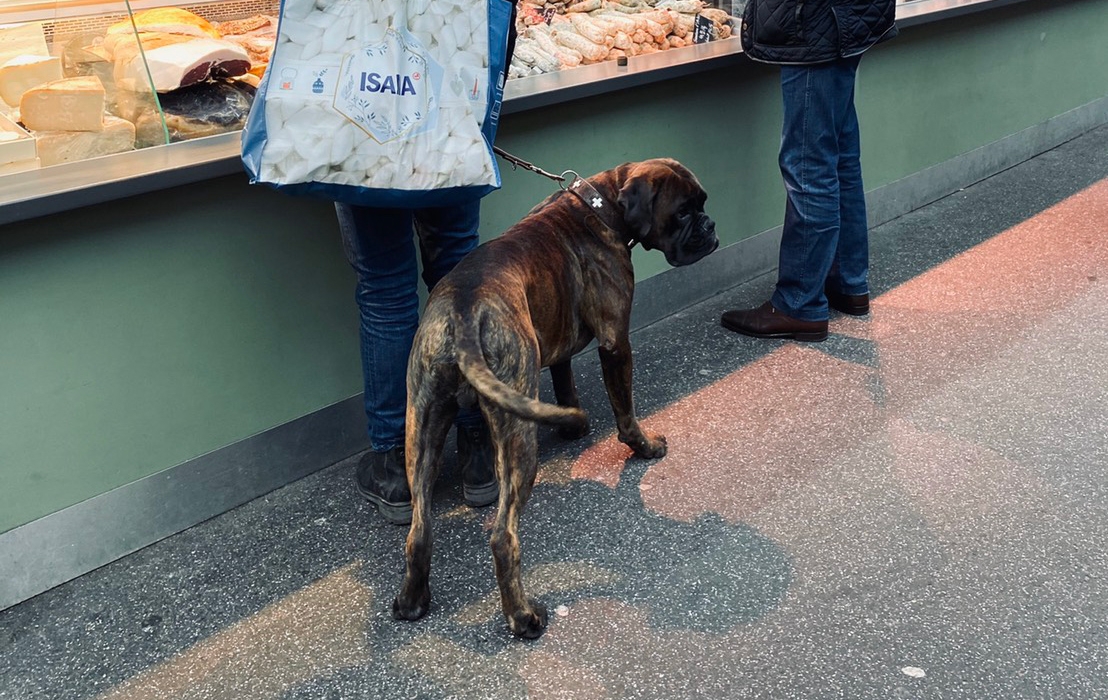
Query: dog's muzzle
[695,239]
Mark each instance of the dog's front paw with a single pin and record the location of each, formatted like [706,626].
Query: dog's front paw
[529,622]
[411,608]
[651,447]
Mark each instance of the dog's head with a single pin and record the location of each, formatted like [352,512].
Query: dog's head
[663,205]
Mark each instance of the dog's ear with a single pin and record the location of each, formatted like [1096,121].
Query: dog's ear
[636,198]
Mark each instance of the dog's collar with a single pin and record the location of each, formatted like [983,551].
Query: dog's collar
[595,201]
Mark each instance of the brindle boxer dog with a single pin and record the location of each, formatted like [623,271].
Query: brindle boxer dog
[531,299]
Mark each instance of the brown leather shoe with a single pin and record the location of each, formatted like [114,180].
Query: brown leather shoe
[767,322]
[853,304]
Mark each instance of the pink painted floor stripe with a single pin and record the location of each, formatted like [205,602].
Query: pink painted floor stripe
[738,444]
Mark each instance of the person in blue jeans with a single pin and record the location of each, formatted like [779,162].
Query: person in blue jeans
[380,245]
[824,254]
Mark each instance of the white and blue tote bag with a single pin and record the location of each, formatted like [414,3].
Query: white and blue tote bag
[387,103]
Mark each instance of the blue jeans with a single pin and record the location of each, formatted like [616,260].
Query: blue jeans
[379,245]
[825,236]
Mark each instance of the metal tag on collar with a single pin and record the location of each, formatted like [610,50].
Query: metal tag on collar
[588,194]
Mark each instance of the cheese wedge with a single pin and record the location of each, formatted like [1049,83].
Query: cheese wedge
[22,73]
[65,146]
[69,104]
[23,39]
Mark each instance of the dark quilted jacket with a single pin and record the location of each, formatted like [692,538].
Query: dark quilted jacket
[813,31]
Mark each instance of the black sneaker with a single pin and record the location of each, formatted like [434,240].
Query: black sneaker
[382,479]
[477,460]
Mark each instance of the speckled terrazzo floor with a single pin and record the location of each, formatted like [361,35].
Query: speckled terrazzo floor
[916,508]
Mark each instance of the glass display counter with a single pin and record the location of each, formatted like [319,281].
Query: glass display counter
[83,81]
[100,100]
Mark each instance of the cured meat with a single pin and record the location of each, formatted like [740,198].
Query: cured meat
[206,109]
[177,61]
[257,35]
[248,25]
[181,49]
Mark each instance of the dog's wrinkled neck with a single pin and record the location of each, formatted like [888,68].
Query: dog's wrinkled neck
[603,214]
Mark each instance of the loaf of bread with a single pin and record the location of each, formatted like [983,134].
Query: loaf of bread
[167,20]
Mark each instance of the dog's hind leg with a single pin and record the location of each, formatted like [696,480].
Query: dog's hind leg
[516,464]
[428,423]
[565,393]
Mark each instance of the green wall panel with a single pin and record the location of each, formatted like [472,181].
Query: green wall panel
[724,125]
[940,90]
[141,333]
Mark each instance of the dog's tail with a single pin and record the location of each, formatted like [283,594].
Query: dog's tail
[472,363]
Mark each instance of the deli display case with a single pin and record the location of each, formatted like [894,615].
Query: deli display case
[86,86]
[100,100]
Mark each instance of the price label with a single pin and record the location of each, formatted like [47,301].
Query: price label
[703,30]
